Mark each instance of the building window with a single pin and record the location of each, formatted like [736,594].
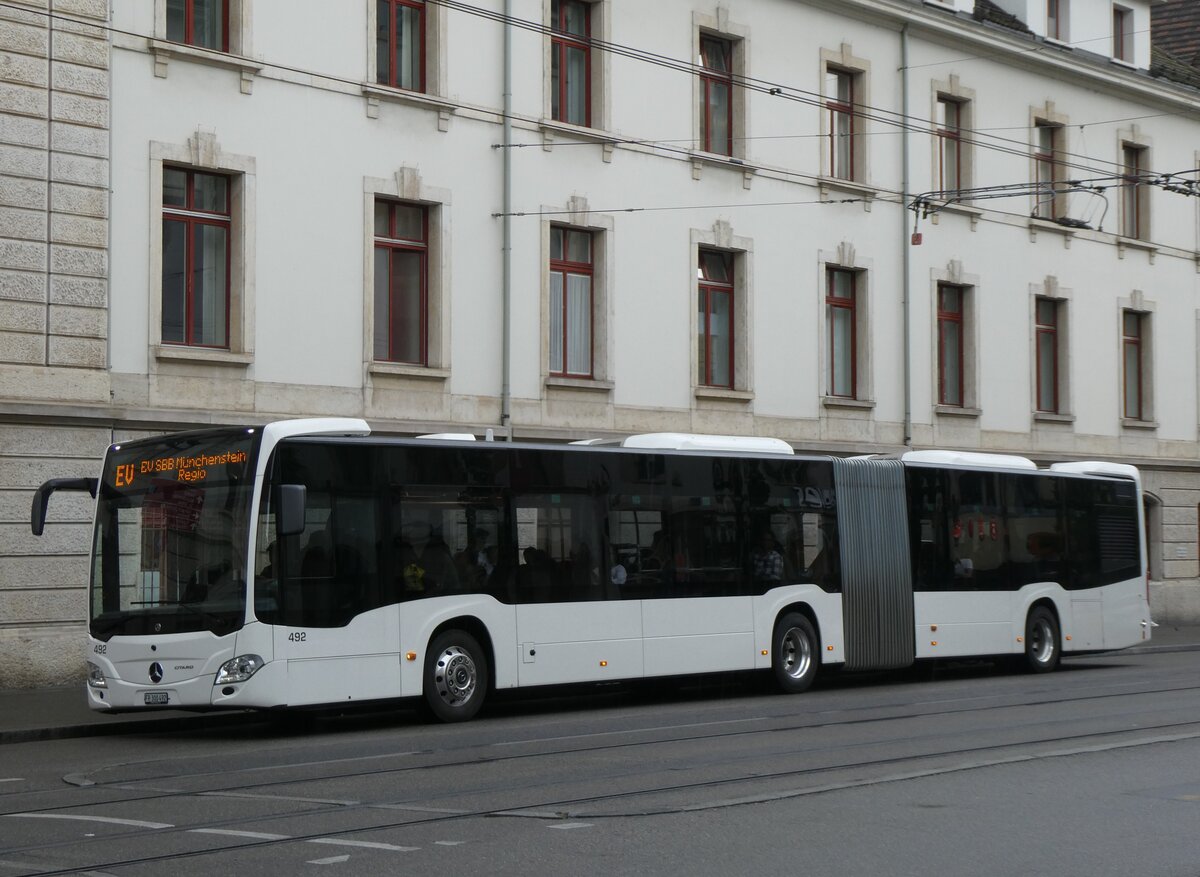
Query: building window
[203,23]
[571,62]
[401,282]
[196,228]
[716,95]
[1133,351]
[839,102]
[841,308]
[1122,33]
[950,147]
[400,44]
[1047,151]
[571,302]
[714,319]
[950,345]
[1046,343]
[1133,193]
[1056,19]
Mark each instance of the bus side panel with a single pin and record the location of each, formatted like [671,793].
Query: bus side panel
[579,642]
[698,635]
[420,618]
[1126,614]
[827,608]
[358,661]
[958,623]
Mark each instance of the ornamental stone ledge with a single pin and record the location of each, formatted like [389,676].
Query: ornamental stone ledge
[163,51]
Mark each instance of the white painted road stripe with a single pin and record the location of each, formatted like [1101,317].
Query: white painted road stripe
[134,822]
[12,780]
[253,835]
[332,860]
[339,842]
[570,825]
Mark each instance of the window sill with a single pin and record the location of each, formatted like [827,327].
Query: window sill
[1128,65]
[722,394]
[842,402]
[1051,417]
[403,370]
[582,385]
[203,355]
[1037,224]
[956,411]
[163,51]
[1130,423]
[1124,243]
[854,187]
[375,93]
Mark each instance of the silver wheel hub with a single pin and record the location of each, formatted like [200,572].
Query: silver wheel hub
[797,653]
[1041,641]
[455,676]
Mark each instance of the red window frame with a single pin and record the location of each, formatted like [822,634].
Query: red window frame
[1131,202]
[566,267]
[1054,22]
[1048,169]
[840,109]
[393,7]
[563,41]
[849,304]
[392,242]
[711,78]
[946,133]
[1046,328]
[950,306]
[189,25]
[191,216]
[709,289]
[1120,18]
[1132,330]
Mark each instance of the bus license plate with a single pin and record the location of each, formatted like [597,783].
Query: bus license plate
[157,698]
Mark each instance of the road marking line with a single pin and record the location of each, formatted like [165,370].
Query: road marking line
[570,825]
[110,819]
[12,780]
[448,843]
[279,798]
[371,845]
[228,832]
[633,731]
[332,860]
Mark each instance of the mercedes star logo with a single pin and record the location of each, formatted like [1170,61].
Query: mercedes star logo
[156,672]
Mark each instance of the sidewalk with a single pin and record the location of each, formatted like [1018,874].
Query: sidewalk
[58,713]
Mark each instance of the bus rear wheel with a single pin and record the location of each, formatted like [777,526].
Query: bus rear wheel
[456,676]
[794,653]
[1042,644]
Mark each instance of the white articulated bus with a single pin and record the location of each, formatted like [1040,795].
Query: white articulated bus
[307,562]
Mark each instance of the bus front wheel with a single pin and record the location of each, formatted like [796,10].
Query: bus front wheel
[456,676]
[1042,644]
[795,653]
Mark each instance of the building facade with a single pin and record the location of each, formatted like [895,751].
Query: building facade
[859,226]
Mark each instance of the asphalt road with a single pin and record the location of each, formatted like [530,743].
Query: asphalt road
[1094,770]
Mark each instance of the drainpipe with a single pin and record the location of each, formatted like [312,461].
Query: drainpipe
[506,296]
[905,240]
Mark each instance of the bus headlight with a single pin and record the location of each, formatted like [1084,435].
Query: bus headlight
[96,676]
[238,669]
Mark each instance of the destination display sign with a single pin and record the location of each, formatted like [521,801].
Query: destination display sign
[141,465]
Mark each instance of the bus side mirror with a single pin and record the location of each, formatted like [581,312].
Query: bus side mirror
[289,516]
[41,498]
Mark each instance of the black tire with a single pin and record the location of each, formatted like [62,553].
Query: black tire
[456,676]
[795,653]
[1043,643]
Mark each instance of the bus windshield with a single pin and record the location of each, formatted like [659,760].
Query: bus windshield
[169,552]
